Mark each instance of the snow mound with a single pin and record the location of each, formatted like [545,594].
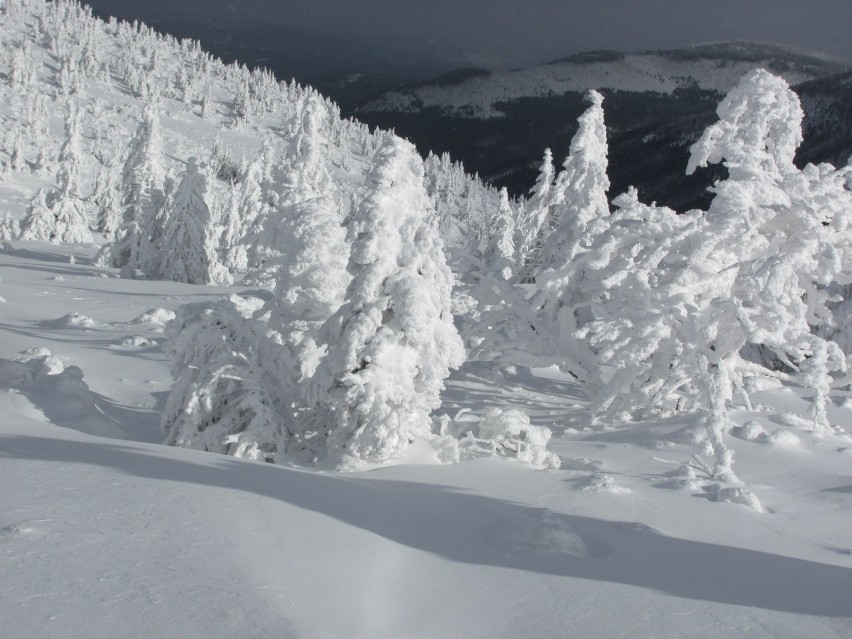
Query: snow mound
[73,320]
[781,437]
[543,530]
[56,388]
[508,433]
[601,482]
[156,318]
[738,495]
[683,477]
[793,421]
[135,341]
[751,431]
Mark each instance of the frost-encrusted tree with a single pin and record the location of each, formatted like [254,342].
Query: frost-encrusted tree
[391,345]
[188,251]
[249,202]
[66,220]
[225,398]
[143,177]
[107,200]
[303,176]
[577,205]
[535,223]
[779,228]
[579,194]
[40,221]
[313,281]
[500,254]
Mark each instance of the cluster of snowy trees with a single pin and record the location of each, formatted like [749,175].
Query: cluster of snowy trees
[386,270]
[273,143]
[656,313]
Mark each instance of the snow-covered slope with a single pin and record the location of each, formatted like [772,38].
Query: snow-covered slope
[103,534]
[710,67]
[106,532]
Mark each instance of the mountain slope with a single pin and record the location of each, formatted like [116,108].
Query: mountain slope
[656,105]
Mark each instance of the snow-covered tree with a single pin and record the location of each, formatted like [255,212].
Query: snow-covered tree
[579,194]
[61,216]
[776,228]
[143,177]
[40,222]
[535,223]
[500,254]
[224,399]
[391,345]
[662,308]
[107,198]
[188,251]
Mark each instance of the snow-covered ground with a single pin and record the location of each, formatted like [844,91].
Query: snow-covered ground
[104,532]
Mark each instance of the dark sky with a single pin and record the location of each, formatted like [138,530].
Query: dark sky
[507,33]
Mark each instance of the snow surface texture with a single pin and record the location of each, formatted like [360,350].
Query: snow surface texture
[110,536]
[105,532]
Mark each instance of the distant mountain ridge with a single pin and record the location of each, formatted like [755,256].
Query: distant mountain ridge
[657,103]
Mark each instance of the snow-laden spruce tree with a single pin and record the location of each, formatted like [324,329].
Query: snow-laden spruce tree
[188,250]
[535,223]
[143,178]
[577,205]
[64,219]
[302,171]
[500,254]
[249,202]
[393,342]
[579,194]
[784,233]
[107,199]
[40,222]
[309,289]
[314,278]
[640,302]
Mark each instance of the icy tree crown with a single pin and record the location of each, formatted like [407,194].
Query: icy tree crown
[759,129]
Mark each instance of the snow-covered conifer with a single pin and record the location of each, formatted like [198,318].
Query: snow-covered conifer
[391,345]
[188,251]
[70,158]
[579,193]
[143,177]
[107,199]
[500,254]
[535,223]
[16,153]
[224,399]
[40,222]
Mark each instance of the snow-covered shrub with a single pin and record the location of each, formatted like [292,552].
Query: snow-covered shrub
[223,400]
[510,433]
